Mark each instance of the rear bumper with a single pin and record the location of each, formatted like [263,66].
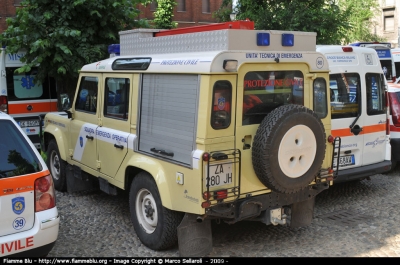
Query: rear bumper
[35,242]
[362,172]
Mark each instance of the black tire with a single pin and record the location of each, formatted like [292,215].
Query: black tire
[289,148]
[57,166]
[157,230]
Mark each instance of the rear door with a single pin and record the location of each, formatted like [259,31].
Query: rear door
[375,119]
[262,88]
[358,117]
[19,167]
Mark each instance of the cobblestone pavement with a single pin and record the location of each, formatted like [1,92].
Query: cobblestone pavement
[355,219]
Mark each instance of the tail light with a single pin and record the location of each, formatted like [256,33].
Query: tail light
[3,104]
[220,195]
[387,113]
[395,109]
[44,194]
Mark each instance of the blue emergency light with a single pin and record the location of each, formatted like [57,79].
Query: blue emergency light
[114,49]
[262,39]
[287,39]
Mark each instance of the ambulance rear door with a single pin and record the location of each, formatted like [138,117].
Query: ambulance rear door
[358,108]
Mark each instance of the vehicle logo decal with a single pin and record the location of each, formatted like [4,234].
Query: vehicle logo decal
[19,223]
[221,103]
[18,205]
[81,141]
[375,143]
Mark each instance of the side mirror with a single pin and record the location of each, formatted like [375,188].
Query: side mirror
[65,101]
[69,113]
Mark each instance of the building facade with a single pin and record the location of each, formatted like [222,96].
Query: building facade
[187,13]
[7,9]
[387,21]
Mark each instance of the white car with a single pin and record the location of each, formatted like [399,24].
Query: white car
[29,219]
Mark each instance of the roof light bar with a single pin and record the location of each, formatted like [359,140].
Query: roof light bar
[287,39]
[347,49]
[263,39]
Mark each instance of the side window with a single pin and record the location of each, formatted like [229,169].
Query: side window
[320,102]
[375,94]
[345,93]
[266,90]
[116,99]
[222,101]
[87,94]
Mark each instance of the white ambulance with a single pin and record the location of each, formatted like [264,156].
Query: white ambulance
[21,98]
[214,122]
[359,111]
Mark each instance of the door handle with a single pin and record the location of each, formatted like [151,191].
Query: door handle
[89,137]
[356,129]
[119,146]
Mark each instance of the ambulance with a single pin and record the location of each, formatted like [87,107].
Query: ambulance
[218,122]
[396,61]
[21,98]
[359,111]
[384,51]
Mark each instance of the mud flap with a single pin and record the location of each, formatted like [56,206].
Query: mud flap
[194,238]
[302,213]
[77,180]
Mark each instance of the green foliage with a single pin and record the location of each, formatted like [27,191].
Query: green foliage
[361,20]
[64,35]
[164,14]
[320,16]
[334,21]
[223,13]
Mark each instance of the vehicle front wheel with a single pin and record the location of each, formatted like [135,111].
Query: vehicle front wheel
[155,225]
[56,166]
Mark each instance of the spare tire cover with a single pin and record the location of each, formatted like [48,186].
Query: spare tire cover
[289,148]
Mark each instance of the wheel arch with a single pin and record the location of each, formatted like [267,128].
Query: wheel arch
[156,171]
[59,138]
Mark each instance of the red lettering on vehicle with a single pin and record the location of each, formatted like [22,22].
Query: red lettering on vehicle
[17,245]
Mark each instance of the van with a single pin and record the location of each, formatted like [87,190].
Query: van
[23,99]
[197,125]
[359,111]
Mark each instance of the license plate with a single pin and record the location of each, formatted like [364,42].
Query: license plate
[30,123]
[220,174]
[345,161]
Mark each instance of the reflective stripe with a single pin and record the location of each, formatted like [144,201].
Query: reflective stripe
[20,108]
[20,184]
[365,130]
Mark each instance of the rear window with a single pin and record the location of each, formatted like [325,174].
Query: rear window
[16,155]
[23,87]
[266,90]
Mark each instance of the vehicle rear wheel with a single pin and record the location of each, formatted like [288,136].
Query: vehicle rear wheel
[56,166]
[155,225]
[289,148]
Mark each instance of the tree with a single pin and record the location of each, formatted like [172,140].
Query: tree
[164,14]
[64,35]
[320,16]
[361,20]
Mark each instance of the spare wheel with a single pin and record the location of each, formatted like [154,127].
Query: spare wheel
[289,148]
